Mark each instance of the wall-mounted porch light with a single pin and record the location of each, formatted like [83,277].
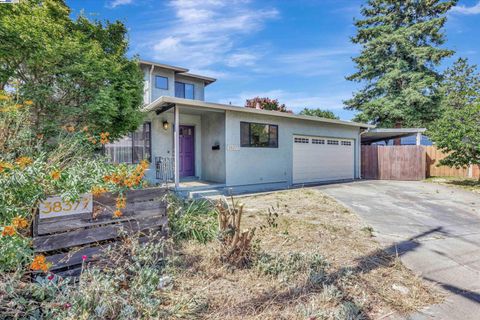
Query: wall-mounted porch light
[165,125]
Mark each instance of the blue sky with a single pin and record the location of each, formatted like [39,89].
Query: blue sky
[296,51]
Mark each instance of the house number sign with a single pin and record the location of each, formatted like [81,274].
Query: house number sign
[56,207]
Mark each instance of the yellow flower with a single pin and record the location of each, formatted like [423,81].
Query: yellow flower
[8,231]
[121,203]
[28,102]
[69,128]
[24,161]
[5,165]
[20,222]
[55,174]
[96,190]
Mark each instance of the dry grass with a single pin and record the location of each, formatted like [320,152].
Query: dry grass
[320,262]
[457,182]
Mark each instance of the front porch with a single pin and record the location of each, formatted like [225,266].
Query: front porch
[188,147]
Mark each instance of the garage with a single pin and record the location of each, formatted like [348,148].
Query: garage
[317,159]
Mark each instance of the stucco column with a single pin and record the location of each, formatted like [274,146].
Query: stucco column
[176,146]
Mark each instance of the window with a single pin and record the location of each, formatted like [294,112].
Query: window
[258,135]
[332,142]
[132,148]
[346,143]
[301,140]
[318,141]
[161,82]
[184,90]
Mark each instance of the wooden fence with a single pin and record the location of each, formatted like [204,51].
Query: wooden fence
[433,170]
[393,162]
[55,236]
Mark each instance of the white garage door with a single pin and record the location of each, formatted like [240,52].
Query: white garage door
[321,159]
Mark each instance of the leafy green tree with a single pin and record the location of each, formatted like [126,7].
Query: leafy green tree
[401,46]
[319,113]
[75,71]
[266,104]
[457,132]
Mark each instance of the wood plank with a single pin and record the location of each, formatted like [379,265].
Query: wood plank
[60,225]
[95,234]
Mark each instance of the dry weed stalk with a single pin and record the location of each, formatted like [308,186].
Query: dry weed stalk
[236,245]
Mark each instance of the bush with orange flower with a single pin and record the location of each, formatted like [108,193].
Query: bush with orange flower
[32,168]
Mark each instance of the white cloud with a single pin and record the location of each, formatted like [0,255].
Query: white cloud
[467,10]
[206,33]
[116,3]
[294,101]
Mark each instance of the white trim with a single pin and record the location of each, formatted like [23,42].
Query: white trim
[209,105]
[176,138]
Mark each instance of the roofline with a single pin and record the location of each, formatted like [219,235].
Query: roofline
[158,103]
[207,80]
[398,130]
[161,65]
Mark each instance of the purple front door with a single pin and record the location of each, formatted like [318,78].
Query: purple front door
[187,151]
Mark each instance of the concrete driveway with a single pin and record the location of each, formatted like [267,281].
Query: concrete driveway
[435,230]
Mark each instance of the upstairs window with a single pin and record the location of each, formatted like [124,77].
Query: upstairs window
[258,135]
[184,90]
[161,82]
[133,148]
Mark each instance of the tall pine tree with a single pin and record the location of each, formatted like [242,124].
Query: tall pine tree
[401,47]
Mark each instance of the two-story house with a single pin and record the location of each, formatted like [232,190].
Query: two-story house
[190,142]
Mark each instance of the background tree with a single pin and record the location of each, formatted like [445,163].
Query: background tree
[266,104]
[457,132]
[400,49]
[75,71]
[319,113]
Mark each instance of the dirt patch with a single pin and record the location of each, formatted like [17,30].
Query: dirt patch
[456,182]
[319,262]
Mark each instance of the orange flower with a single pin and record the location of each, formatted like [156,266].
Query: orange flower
[24,161]
[117,213]
[121,202]
[5,165]
[39,263]
[144,164]
[55,174]
[85,129]
[28,102]
[8,231]
[96,190]
[20,222]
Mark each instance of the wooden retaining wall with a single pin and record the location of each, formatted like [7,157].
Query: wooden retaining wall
[55,237]
[393,162]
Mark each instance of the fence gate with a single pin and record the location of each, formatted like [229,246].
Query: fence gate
[393,162]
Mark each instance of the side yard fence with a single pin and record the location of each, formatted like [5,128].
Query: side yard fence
[408,163]
[65,232]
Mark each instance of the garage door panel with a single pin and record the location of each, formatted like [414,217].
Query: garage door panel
[322,160]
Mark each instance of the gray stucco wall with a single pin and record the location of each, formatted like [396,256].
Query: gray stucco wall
[213,133]
[199,86]
[247,166]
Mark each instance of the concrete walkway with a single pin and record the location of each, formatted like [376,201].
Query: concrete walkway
[436,231]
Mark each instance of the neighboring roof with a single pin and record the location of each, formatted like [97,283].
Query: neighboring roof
[205,79]
[382,134]
[166,101]
[180,71]
[161,65]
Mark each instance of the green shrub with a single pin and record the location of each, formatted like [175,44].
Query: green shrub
[192,219]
